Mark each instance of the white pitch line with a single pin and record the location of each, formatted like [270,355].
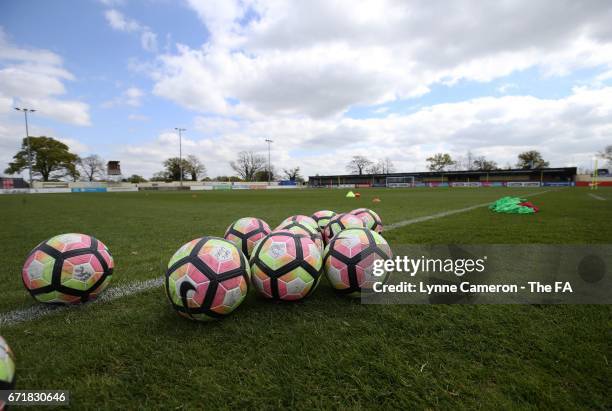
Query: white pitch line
[596,197]
[114,293]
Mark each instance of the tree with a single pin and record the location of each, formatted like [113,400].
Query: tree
[161,176]
[531,159]
[482,164]
[248,164]
[607,154]
[293,174]
[173,168]
[50,158]
[384,166]
[358,165]
[439,162]
[92,166]
[195,167]
[387,166]
[135,179]
[233,179]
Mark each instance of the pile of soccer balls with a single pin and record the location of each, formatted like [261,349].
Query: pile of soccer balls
[209,277]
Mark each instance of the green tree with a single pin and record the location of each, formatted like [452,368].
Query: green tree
[173,168]
[233,179]
[50,159]
[135,179]
[161,176]
[531,159]
[439,162]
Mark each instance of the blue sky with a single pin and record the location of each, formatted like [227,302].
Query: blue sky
[325,81]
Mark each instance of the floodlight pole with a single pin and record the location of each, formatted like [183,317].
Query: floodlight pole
[269,164]
[25,113]
[180,151]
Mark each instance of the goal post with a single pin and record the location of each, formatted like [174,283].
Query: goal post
[398,182]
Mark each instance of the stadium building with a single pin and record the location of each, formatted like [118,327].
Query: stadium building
[565,176]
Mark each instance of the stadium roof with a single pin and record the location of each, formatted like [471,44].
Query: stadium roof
[564,170]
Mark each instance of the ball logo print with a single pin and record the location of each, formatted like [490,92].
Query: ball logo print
[207,278]
[286,266]
[341,222]
[322,218]
[246,232]
[278,249]
[349,260]
[68,269]
[370,219]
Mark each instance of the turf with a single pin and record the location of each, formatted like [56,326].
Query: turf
[325,352]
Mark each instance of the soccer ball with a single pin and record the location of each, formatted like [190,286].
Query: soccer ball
[246,232]
[302,219]
[299,228]
[7,368]
[341,222]
[322,218]
[68,269]
[349,260]
[286,266]
[207,278]
[370,219]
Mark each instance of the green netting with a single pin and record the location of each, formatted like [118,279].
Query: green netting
[511,205]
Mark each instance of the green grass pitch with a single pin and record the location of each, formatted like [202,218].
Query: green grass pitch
[325,352]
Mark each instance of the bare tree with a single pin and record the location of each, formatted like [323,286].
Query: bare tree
[195,167]
[387,166]
[607,154]
[375,168]
[482,164]
[92,167]
[358,165]
[248,164]
[293,174]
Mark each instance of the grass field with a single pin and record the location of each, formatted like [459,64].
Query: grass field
[325,352]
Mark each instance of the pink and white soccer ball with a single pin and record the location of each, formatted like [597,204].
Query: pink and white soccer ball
[68,269]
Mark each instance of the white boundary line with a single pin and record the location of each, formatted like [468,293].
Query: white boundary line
[596,197]
[38,311]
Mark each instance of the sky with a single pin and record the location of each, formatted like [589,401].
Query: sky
[325,80]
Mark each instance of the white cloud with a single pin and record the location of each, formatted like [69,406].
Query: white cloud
[496,127]
[318,58]
[36,78]
[132,96]
[119,22]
